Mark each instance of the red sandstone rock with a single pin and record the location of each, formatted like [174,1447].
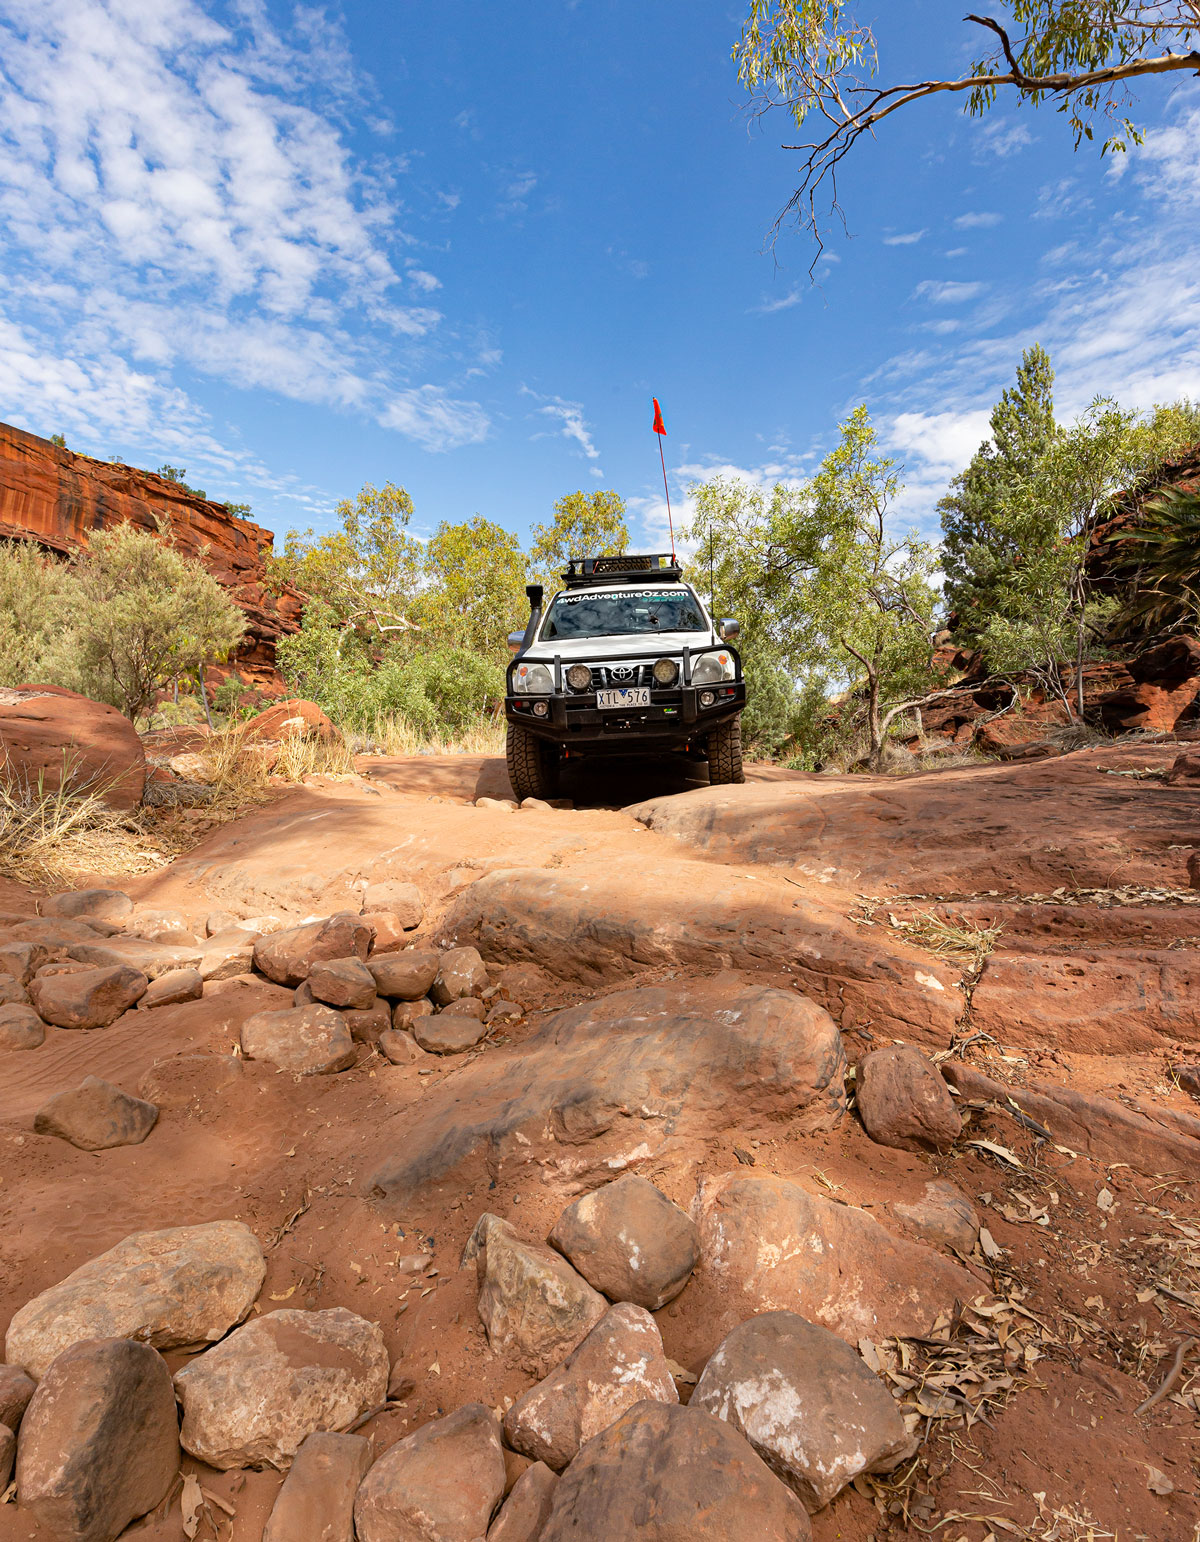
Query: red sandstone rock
[46,733]
[1185,772]
[292,719]
[57,498]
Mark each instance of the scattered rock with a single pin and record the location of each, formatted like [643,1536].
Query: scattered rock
[502,1012]
[530,1298]
[524,1513]
[99,1441]
[449,1033]
[501,805]
[287,957]
[766,1245]
[218,921]
[628,1079]
[404,976]
[1193,870]
[441,1484]
[461,973]
[169,926]
[178,1080]
[806,1402]
[663,1473]
[399,1047]
[20,1027]
[87,998]
[172,1287]
[466,1006]
[95,1116]
[403,900]
[389,930]
[903,1101]
[20,960]
[227,954]
[342,982]
[943,1215]
[151,958]
[316,1502]
[292,719]
[367,1023]
[311,1041]
[405,1013]
[1188,1076]
[103,904]
[629,1241]
[253,1400]
[8,1455]
[12,992]
[620,1363]
[173,987]
[16,1388]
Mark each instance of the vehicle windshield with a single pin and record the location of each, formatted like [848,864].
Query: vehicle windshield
[623,613]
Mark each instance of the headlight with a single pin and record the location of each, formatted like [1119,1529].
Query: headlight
[665,671]
[532,680]
[579,677]
[711,668]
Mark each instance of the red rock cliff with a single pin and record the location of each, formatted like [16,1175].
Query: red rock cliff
[57,498]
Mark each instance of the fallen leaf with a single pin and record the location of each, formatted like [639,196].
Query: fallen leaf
[285,1295]
[870,1354]
[1158,1482]
[435,1368]
[191,1502]
[681,1373]
[998,1150]
[990,1247]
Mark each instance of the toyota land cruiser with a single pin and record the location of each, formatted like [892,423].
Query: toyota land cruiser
[625,660]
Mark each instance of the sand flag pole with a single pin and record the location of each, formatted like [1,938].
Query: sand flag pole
[660,429]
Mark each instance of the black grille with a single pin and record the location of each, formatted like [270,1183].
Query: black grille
[608,676]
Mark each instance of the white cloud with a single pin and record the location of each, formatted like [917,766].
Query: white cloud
[909,239]
[569,416]
[980,220]
[948,291]
[1003,139]
[435,420]
[176,191]
[783,303]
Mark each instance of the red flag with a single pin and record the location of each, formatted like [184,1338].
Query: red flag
[659,426]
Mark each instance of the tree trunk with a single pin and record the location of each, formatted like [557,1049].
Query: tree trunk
[204,696]
[873,725]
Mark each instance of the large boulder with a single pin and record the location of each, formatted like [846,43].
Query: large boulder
[620,1363]
[629,1079]
[254,1399]
[316,1502]
[806,1402]
[663,1473]
[1166,681]
[287,956]
[99,1442]
[87,998]
[95,1116]
[342,982]
[903,1102]
[151,958]
[292,719]
[440,1485]
[767,1245]
[629,1241]
[91,904]
[404,976]
[530,1299]
[20,1027]
[311,1041]
[173,1287]
[524,1513]
[48,734]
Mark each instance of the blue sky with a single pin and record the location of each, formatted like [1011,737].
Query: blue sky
[297,248]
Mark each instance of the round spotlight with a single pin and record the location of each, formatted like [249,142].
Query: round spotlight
[540,708]
[665,671]
[706,700]
[579,677]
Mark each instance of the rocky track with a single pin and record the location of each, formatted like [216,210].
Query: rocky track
[809,1157]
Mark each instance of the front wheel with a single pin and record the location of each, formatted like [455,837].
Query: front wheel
[532,765]
[725,754]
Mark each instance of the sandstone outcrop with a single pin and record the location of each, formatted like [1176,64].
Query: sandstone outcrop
[56,737]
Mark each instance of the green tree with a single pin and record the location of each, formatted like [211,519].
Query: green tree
[822,579]
[978,553]
[818,60]
[32,590]
[584,525]
[367,573]
[178,475]
[475,586]
[139,612]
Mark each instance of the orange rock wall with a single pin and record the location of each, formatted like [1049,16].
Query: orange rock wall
[58,498]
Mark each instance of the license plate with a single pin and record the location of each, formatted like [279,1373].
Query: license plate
[627,696]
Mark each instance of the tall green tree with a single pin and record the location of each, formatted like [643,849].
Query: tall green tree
[368,571]
[817,59]
[584,525]
[978,551]
[474,590]
[824,579]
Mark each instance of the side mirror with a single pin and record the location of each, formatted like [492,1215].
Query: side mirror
[729,628]
[515,639]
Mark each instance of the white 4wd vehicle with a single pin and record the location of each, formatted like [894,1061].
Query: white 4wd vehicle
[625,660]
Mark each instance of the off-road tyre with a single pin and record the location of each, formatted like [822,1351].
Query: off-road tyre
[725,754]
[532,764]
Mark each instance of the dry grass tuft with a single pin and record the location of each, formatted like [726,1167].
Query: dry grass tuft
[393,735]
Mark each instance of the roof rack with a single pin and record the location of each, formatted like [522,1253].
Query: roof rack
[588,572]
